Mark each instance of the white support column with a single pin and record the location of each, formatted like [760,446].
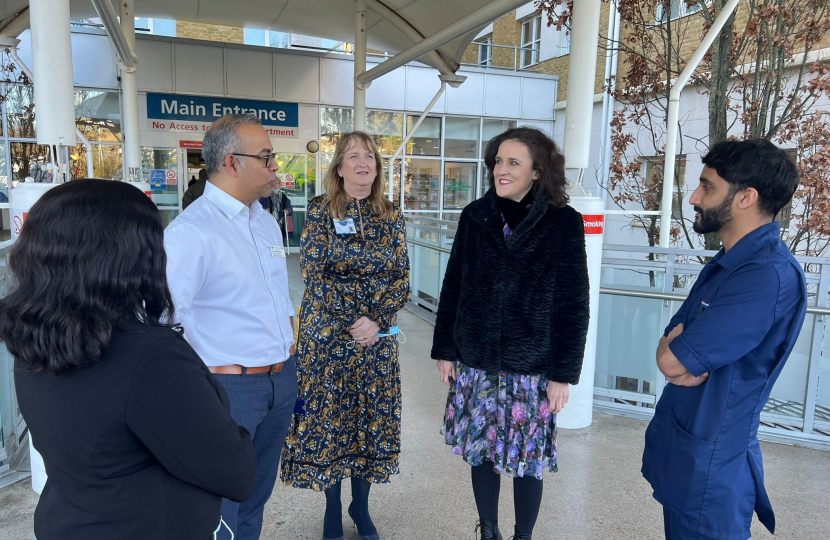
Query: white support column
[52,65]
[581,79]
[577,147]
[129,92]
[360,65]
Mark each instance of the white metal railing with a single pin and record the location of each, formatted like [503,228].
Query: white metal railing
[641,288]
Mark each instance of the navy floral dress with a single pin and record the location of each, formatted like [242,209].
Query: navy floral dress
[348,420]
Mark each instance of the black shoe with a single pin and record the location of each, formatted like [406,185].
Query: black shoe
[519,536]
[488,530]
[362,536]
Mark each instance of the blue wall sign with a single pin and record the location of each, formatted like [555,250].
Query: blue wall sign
[207,109]
[158,179]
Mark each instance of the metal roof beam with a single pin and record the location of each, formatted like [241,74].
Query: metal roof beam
[477,19]
[127,60]
[402,25]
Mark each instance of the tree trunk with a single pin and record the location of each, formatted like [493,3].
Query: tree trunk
[721,70]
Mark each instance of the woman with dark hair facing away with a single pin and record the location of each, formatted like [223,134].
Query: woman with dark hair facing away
[134,430]
[356,272]
[511,325]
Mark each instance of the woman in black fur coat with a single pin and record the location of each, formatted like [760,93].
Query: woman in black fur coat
[511,326]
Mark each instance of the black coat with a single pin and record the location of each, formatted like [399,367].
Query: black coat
[138,445]
[521,305]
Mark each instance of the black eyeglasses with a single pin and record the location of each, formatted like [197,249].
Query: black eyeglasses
[269,159]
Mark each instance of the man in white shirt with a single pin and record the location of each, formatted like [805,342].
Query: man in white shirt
[227,273]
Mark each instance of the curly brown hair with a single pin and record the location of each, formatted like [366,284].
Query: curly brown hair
[548,161]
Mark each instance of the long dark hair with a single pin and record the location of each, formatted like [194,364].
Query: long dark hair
[548,161]
[89,253]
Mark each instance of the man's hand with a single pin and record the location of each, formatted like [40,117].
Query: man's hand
[365,331]
[446,370]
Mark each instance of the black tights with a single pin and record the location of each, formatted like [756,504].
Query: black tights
[527,497]
[359,510]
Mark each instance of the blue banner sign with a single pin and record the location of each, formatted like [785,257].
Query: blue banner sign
[207,109]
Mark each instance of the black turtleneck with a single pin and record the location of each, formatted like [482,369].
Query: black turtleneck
[514,212]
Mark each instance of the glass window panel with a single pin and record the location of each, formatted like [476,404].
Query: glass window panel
[492,128]
[142,24]
[21,112]
[386,129]
[98,115]
[422,184]
[427,140]
[461,138]
[161,158]
[164,27]
[30,160]
[396,172]
[5,234]
[4,178]
[325,162]
[106,161]
[335,122]
[301,169]
[459,184]
[279,40]
[167,216]
[254,36]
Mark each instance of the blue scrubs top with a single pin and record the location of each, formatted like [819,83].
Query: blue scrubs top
[741,320]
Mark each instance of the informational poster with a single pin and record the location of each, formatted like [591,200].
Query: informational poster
[170,177]
[158,179]
[286,180]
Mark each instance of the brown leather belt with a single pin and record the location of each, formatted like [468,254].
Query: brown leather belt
[236,369]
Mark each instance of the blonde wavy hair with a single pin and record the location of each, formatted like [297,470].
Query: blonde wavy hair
[333,182]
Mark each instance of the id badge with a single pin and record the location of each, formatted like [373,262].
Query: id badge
[278,251]
[344,226]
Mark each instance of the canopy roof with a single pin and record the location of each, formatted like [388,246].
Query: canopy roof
[332,19]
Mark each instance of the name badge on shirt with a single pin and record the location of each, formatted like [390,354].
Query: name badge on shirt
[344,226]
[277,251]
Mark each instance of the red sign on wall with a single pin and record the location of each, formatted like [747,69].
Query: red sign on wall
[594,224]
[191,144]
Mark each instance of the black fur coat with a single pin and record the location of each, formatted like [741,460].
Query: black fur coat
[520,305]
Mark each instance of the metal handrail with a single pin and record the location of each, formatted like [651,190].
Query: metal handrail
[680,297]
[430,246]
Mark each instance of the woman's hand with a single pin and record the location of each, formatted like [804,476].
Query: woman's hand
[446,369]
[558,395]
[365,331]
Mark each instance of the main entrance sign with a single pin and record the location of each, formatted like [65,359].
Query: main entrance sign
[182,113]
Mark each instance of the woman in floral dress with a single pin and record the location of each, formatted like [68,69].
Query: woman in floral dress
[511,325]
[356,272]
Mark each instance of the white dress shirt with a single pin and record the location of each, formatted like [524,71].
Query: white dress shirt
[227,274]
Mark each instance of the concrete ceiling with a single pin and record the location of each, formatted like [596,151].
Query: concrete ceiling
[333,19]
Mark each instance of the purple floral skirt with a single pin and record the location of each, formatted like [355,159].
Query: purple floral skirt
[503,418]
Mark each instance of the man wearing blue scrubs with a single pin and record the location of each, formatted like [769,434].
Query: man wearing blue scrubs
[724,349]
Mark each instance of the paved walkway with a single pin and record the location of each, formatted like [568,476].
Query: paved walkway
[598,494]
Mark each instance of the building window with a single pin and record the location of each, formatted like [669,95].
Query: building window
[427,140]
[98,115]
[386,129]
[677,9]
[531,39]
[156,27]
[485,52]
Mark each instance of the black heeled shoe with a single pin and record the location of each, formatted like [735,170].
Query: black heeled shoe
[362,537]
[488,530]
[519,536]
